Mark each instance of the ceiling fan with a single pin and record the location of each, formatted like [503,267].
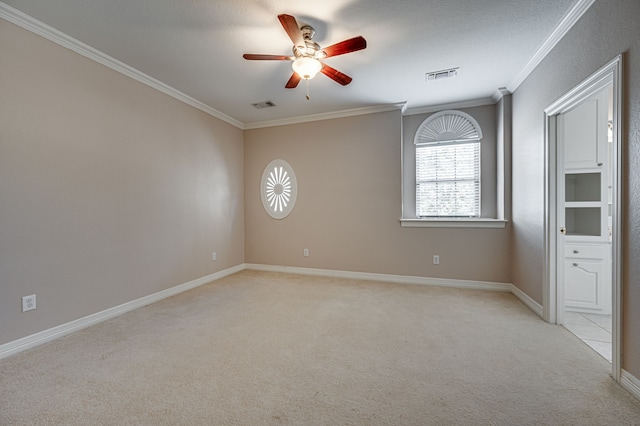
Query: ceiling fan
[307,54]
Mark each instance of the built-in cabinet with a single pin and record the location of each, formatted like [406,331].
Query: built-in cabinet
[587,285]
[586,205]
[586,211]
[585,144]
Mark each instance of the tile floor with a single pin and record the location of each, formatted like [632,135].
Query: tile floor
[593,329]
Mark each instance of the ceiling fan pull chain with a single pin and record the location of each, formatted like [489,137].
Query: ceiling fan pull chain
[307,54]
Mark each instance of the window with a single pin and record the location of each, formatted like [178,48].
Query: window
[448,180]
[426,135]
[448,166]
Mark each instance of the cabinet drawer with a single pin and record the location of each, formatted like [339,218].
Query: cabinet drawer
[582,251]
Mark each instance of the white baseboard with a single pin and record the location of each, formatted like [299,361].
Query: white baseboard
[630,383]
[400,279]
[33,340]
[528,301]
[408,279]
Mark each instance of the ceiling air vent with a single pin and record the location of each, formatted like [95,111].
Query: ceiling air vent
[439,75]
[265,104]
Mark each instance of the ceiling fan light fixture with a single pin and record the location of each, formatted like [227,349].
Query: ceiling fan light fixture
[308,56]
[306,67]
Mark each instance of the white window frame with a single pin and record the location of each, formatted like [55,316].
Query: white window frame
[450,128]
[471,176]
[438,135]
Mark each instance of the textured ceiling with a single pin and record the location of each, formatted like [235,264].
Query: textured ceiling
[196,47]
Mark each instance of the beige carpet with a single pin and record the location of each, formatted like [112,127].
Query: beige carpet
[261,348]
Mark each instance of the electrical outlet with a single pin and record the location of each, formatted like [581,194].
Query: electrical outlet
[214,256]
[436,259]
[306,252]
[28,303]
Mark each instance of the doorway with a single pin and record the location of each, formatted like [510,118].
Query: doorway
[584,197]
[583,177]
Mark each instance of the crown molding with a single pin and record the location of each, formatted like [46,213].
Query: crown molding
[29,23]
[556,35]
[454,105]
[500,93]
[325,116]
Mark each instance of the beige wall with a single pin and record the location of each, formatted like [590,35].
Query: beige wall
[109,190]
[606,30]
[349,205]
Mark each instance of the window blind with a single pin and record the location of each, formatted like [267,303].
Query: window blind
[448,179]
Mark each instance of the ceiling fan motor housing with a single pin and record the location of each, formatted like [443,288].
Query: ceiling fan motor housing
[311,49]
[307,54]
[307,32]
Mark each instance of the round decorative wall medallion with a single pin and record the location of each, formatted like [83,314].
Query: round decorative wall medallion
[278,189]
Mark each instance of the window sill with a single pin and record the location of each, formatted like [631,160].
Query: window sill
[453,223]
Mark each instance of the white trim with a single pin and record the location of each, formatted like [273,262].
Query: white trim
[550,238]
[630,383]
[453,105]
[398,279]
[406,279]
[500,93]
[611,72]
[31,24]
[453,223]
[601,79]
[618,205]
[528,301]
[51,334]
[45,336]
[556,35]
[326,116]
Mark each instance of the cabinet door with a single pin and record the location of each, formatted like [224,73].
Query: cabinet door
[584,285]
[584,130]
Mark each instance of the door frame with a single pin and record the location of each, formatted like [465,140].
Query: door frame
[611,73]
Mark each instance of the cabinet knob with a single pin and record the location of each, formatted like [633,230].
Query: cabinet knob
[575,264]
[576,252]
[599,164]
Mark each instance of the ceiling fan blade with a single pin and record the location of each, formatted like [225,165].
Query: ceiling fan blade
[259,57]
[335,75]
[293,30]
[346,46]
[293,81]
